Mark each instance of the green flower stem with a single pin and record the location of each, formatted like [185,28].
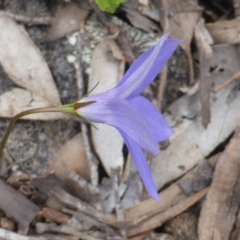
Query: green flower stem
[69,108]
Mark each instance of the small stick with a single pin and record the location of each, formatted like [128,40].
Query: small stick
[29,20]
[228,81]
[81,206]
[61,218]
[55,216]
[89,223]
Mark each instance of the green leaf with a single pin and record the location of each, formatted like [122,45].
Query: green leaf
[109,6]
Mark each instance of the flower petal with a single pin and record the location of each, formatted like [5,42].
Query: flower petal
[156,122]
[145,69]
[122,115]
[142,166]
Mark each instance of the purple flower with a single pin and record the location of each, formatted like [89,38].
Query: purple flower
[137,120]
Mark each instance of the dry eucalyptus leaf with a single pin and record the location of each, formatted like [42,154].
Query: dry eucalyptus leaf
[23,61]
[107,70]
[69,18]
[194,142]
[225,31]
[18,100]
[222,200]
[71,157]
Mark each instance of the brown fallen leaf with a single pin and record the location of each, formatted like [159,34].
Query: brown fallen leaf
[71,157]
[225,31]
[107,141]
[69,18]
[205,85]
[23,61]
[219,211]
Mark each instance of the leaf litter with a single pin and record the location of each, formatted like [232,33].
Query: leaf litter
[62,203]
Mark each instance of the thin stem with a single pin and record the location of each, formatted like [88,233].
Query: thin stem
[68,108]
[22,114]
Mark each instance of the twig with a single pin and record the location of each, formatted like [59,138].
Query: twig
[55,216]
[228,81]
[89,223]
[8,235]
[81,206]
[29,20]
[122,38]
[164,13]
